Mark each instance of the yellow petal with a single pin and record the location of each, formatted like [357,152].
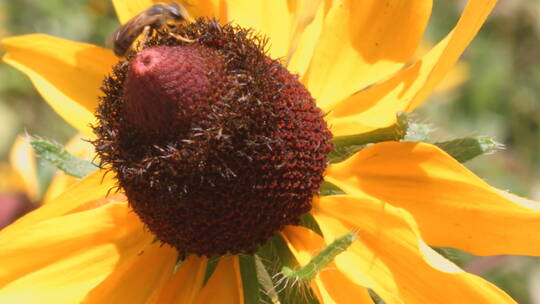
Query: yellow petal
[23,162]
[361,43]
[452,206]
[270,18]
[80,147]
[61,259]
[88,190]
[390,252]
[225,284]
[453,79]
[208,8]
[127,9]
[331,285]
[376,107]
[137,280]
[444,56]
[184,285]
[308,24]
[67,74]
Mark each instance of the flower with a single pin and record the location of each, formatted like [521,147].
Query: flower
[19,189]
[85,246]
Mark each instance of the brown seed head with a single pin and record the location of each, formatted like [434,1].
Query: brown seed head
[216,145]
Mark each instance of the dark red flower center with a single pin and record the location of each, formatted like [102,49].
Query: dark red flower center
[216,145]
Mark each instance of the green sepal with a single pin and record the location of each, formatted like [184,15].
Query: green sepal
[375,297]
[274,255]
[343,151]
[465,149]
[346,146]
[268,292]
[58,156]
[327,188]
[417,132]
[210,268]
[307,220]
[250,281]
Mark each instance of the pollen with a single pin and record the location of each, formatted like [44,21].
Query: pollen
[216,145]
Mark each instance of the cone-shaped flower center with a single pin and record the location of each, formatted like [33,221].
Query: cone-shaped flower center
[168,86]
[216,145]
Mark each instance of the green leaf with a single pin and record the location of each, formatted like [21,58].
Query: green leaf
[346,146]
[465,149]
[274,255]
[58,156]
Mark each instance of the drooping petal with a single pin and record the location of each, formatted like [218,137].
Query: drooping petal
[361,43]
[89,190]
[376,107]
[61,259]
[225,284]
[399,266]
[137,280]
[80,147]
[452,206]
[186,283]
[270,18]
[23,161]
[445,55]
[67,74]
[331,284]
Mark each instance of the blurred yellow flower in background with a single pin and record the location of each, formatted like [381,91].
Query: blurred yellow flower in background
[19,188]
[85,246]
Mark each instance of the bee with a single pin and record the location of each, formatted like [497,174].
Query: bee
[156,16]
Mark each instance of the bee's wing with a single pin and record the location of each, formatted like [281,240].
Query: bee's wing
[126,34]
[180,13]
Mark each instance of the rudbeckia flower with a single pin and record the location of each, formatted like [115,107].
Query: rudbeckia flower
[218,152]
[19,187]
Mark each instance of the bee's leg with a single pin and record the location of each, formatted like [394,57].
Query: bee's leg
[180,37]
[145,35]
[141,39]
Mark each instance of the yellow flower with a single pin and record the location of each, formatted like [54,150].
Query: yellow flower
[352,56]
[19,189]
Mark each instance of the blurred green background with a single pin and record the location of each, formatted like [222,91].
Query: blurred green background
[495,92]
